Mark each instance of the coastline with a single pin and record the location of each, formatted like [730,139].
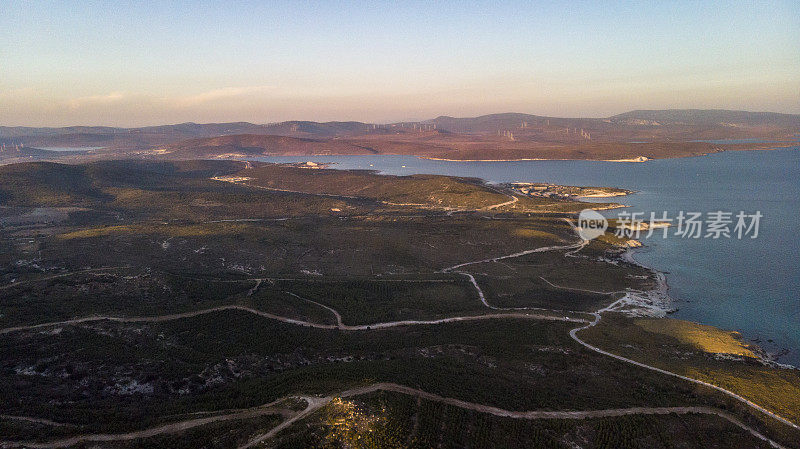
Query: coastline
[657,303]
[777,348]
[606,195]
[637,159]
[431,158]
[652,303]
[110,152]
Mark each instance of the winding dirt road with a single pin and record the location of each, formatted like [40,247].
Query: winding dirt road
[339,325]
[513,200]
[573,333]
[176,427]
[29,419]
[572,246]
[597,317]
[573,289]
[314,403]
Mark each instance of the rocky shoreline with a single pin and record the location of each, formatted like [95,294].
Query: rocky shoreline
[657,303]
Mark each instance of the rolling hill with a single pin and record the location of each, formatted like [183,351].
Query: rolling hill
[257,145]
[634,134]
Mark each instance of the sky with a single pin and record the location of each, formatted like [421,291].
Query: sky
[145,63]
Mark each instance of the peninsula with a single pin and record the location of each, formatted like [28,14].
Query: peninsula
[158,304]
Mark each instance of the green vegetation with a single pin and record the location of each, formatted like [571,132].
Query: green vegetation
[399,421]
[554,281]
[97,373]
[441,191]
[685,352]
[427,191]
[367,301]
[220,435]
[24,430]
[117,191]
[120,292]
[47,184]
[362,245]
[134,239]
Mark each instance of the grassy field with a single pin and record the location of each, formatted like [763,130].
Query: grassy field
[430,191]
[704,338]
[156,238]
[367,245]
[700,352]
[222,435]
[393,420]
[367,301]
[122,292]
[553,280]
[136,190]
[95,374]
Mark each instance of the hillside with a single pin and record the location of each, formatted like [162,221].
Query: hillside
[256,145]
[711,117]
[651,134]
[187,301]
[425,144]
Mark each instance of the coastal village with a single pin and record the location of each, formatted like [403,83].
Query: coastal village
[543,190]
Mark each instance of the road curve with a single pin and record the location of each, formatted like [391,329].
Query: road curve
[597,317]
[542,249]
[482,297]
[315,403]
[573,333]
[176,427]
[583,414]
[535,414]
[513,200]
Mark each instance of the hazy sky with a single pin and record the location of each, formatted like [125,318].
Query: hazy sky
[139,63]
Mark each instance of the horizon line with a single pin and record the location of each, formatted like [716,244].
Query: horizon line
[397,121]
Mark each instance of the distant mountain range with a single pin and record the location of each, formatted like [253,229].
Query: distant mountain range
[648,133]
[711,117]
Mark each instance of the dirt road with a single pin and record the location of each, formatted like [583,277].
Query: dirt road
[315,403]
[339,325]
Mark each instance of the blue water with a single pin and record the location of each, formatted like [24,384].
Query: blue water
[749,285]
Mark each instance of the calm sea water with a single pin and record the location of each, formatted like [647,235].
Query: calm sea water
[749,285]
